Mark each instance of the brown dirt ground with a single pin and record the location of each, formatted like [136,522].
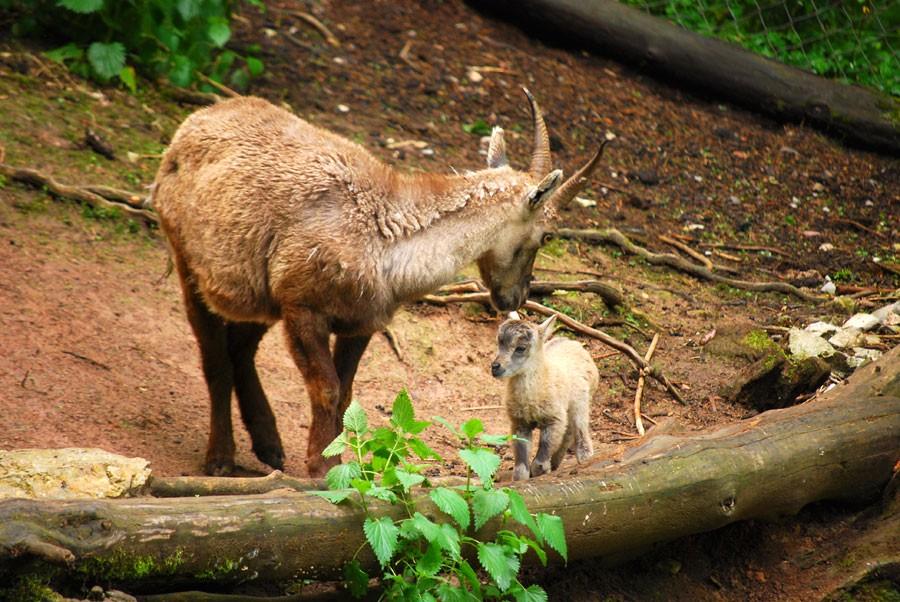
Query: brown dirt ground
[97,352]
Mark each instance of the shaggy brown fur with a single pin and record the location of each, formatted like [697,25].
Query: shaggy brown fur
[270,218]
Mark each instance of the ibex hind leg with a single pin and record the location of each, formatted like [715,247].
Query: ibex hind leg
[557,457]
[584,447]
[212,337]
[307,334]
[243,341]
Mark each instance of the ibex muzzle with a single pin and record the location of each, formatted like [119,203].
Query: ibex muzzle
[270,218]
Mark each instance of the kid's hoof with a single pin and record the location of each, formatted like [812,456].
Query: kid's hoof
[520,473]
[219,467]
[539,468]
[273,455]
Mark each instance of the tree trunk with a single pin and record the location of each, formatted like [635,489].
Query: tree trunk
[858,114]
[842,445]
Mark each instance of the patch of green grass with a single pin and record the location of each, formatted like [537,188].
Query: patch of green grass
[555,247]
[844,275]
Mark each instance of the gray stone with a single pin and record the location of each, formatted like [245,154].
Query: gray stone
[862,356]
[821,328]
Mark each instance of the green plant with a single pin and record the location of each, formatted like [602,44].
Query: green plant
[422,559]
[844,275]
[478,127]
[111,39]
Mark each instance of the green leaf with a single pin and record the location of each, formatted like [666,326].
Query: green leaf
[448,539]
[541,554]
[357,580]
[339,476]
[478,127]
[533,593]
[453,504]
[471,428]
[554,534]
[355,418]
[336,447]
[382,536]
[494,439]
[383,493]
[188,9]
[520,513]
[81,6]
[500,566]
[402,414]
[408,479]
[443,421]
[421,449]
[69,52]
[106,59]
[452,593]
[218,31]
[335,497]
[488,503]
[483,461]
[129,78]
[254,65]
[181,72]
[430,562]
[469,575]
[427,527]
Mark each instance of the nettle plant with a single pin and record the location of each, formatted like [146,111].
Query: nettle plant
[109,39]
[425,559]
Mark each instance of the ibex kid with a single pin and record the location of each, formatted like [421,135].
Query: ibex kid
[270,218]
[550,384]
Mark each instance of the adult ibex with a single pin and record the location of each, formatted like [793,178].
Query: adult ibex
[270,218]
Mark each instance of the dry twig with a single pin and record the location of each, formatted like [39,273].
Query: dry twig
[82,194]
[218,85]
[394,342]
[404,56]
[574,325]
[772,250]
[640,386]
[686,249]
[613,236]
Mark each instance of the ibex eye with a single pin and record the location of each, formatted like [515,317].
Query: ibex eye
[520,349]
[546,238]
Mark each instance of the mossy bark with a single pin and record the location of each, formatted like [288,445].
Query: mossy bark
[841,446]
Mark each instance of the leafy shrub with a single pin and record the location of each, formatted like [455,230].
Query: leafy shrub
[851,41]
[109,39]
[422,559]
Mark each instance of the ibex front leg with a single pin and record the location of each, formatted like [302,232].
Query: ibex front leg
[347,353]
[552,435]
[521,450]
[307,334]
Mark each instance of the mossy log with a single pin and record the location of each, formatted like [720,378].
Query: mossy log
[842,445]
[857,114]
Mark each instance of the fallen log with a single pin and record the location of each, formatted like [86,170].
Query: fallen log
[857,114]
[842,445]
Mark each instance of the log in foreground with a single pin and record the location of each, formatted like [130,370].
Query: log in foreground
[858,114]
[842,445]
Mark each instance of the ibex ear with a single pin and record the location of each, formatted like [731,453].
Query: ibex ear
[496,156]
[544,190]
[546,328]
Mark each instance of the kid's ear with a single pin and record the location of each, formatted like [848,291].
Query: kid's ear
[546,328]
[544,190]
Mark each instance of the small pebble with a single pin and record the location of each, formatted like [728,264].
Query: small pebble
[825,247]
[343,108]
[474,77]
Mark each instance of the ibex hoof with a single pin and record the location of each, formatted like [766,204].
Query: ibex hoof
[273,455]
[219,467]
[520,473]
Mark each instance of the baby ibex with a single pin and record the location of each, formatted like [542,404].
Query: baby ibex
[270,218]
[551,384]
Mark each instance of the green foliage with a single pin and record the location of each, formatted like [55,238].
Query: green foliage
[479,127]
[112,39]
[422,559]
[851,40]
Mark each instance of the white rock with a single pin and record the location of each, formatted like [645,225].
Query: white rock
[474,76]
[70,473]
[862,356]
[343,108]
[583,202]
[821,328]
[804,344]
[847,337]
[884,314]
[826,246]
[829,287]
[862,322]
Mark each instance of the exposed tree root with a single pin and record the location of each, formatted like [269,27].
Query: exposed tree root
[640,386]
[205,486]
[613,236]
[611,297]
[94,196]
[573,324]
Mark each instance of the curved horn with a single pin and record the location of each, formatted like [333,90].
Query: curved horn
[540,159]
[568,189]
